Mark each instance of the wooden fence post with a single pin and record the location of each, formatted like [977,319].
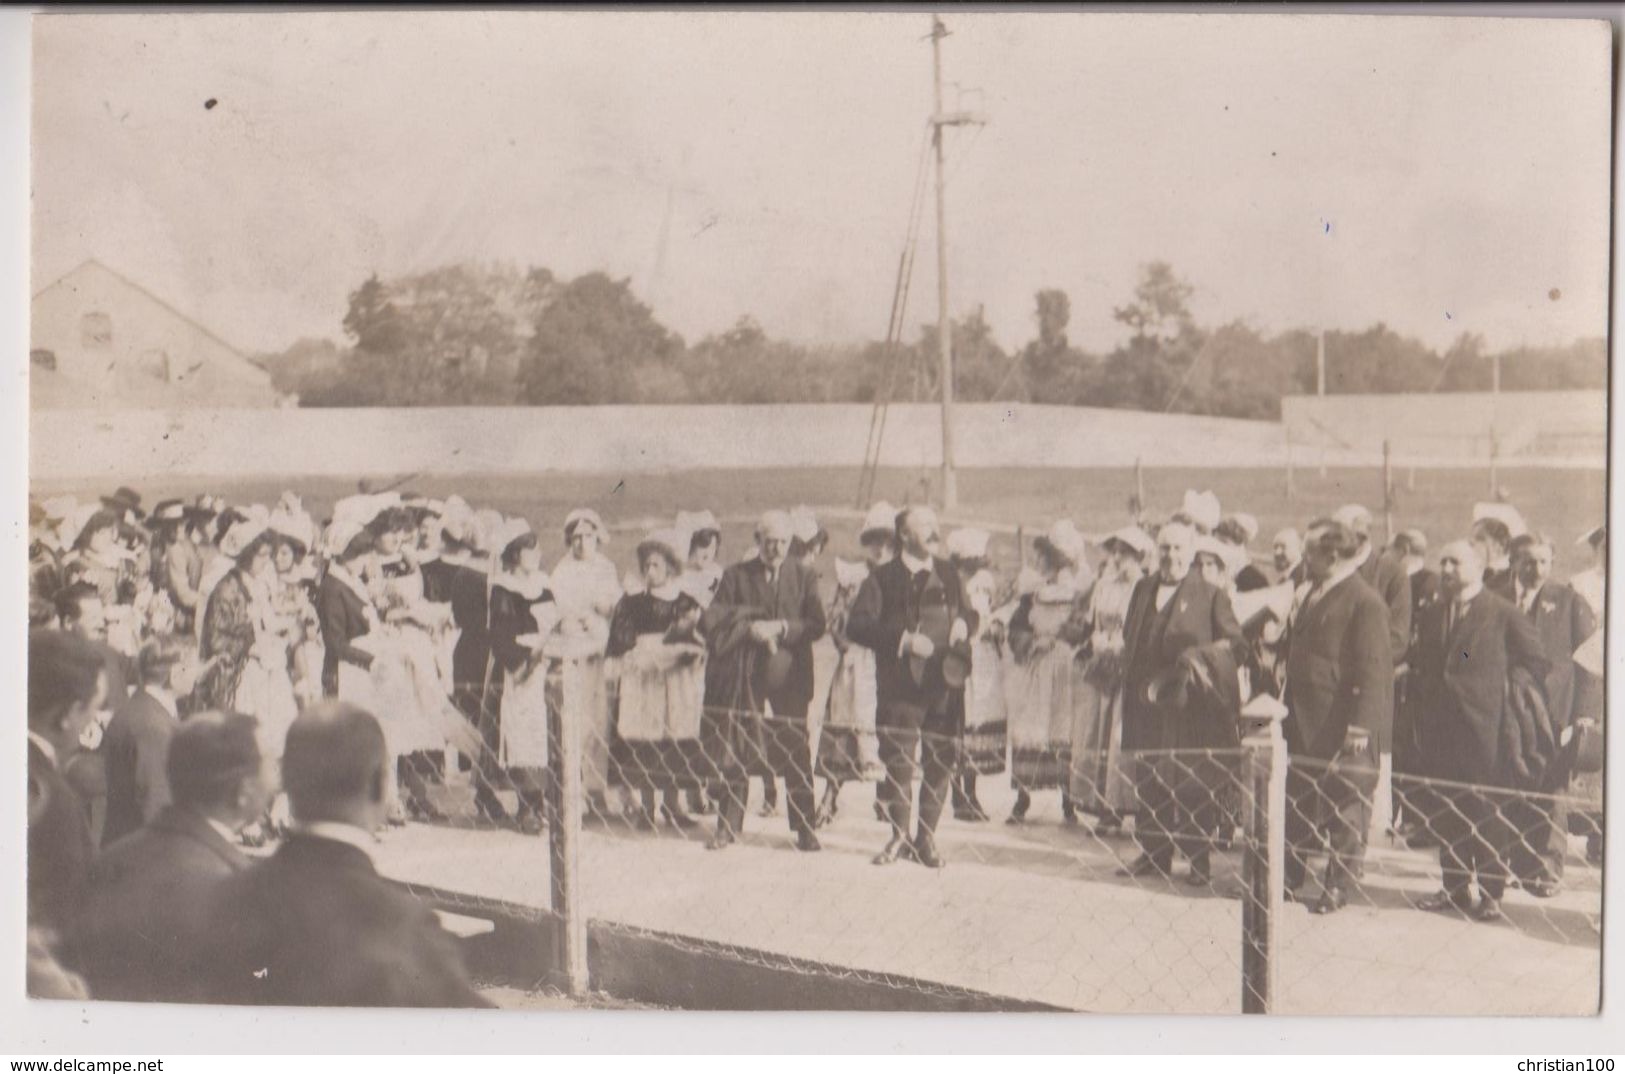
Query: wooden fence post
[1263,863]
[565,807]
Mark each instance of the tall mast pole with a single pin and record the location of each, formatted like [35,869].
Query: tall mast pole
[945,354]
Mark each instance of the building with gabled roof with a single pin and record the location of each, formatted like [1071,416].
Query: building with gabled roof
[101,341]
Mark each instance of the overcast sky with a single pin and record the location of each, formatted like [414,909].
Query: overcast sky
[1442,175]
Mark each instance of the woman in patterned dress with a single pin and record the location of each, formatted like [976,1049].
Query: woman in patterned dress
[1049,625]
[1101,783]
[656,655]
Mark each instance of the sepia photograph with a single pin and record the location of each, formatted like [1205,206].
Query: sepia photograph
[906,511]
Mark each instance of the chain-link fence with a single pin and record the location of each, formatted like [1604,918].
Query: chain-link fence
[1157,881]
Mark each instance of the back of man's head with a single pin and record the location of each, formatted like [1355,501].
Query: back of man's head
[333,764]
[64,670]
[210,756]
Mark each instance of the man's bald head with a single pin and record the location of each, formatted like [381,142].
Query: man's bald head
[334,765]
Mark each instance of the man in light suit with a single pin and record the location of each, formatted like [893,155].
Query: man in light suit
[1563,620]
[761,625]
[141,935]
[1468,646]
[314,924]
[1175,619]
[1339,697]
[136,745]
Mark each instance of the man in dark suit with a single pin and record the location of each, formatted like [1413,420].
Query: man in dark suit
[67,687]
[456,575]
[1176,621]
[1410,547]
[919,679]
[1562,620]
[1287,555]
[80,611]
[1468,646]
[1383,572]
[1339,698]
[139,936]
[759,681]
[136,745]
[314,924]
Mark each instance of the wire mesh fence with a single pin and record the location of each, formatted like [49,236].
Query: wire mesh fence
[1083,879]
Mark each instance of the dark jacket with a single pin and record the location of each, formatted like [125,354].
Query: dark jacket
[315,925]
[140,934]
[1339,673]
[1563,620]
[136,749]
[1385,572]
[737,674]
[890,603]
[343,618]
[60,848]
[1198,614]
[1459,685]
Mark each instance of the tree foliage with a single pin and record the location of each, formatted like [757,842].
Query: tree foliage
[471,334]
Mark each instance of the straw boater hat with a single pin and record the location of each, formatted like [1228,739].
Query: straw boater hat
[668,542]
[881,518]
[1503,513]
[968,545]
[1132,538]
[584,515]
[167,513]
[1064,540]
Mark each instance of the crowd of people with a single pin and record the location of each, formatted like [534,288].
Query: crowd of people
[207,678]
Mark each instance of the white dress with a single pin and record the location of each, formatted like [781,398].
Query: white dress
[585,592]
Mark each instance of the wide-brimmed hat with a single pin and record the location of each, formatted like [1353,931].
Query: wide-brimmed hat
[507,532]
[668,542]
[1064,541]
[167,513]
[242,535]
[1503,513]
[587,516]
[697,522]
[849,574]
[1245,522]
[880,518]
[968,544]
[124,500]
[1233,557]
[1202,508]
[1132,538]
[293,523]
[805,527]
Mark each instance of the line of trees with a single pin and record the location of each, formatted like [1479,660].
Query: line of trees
[492,335]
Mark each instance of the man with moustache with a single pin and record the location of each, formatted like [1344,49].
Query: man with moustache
[913,614]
